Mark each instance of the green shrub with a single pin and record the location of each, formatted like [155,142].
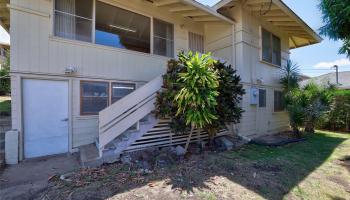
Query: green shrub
[199,92]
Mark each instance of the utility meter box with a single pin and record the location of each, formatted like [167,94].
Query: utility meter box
[253,96]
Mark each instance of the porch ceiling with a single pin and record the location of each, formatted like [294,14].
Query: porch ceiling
[281,16]
[4,14]
[192,10]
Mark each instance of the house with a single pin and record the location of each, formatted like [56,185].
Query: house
[85,73]
[331,79]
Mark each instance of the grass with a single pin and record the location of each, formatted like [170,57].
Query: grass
[5,105]
[318,168]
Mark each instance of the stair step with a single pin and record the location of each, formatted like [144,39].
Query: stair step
[89,156]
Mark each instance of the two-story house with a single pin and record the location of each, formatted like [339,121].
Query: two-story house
[86,72]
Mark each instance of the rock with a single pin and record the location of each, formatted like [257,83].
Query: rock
[126,159]
[195,149]
[223,144]
[146,165]
[180,151]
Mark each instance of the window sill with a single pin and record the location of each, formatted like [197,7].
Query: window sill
[99,46]
[271,64]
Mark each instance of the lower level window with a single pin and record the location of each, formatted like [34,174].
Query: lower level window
[262,98]
[278,101]
[94,97]
[120,90]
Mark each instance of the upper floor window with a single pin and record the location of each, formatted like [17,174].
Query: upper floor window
[112,26]
[271,48]
[196,42]
[73,19]
[121,28]
[163,38]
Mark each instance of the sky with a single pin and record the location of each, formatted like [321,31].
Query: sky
[313,60]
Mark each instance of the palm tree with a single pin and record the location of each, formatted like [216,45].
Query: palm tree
[290,76]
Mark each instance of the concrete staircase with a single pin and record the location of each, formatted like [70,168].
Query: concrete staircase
[89,154]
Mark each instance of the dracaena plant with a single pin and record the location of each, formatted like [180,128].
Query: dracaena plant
[196,100]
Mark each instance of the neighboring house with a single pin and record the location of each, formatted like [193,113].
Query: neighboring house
[4,49]
[303,77]
[331,79]
[74,61]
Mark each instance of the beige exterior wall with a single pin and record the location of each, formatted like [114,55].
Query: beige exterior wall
[247,61]
[36,53]
[40,55]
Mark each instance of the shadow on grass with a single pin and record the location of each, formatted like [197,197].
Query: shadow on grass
[268,171]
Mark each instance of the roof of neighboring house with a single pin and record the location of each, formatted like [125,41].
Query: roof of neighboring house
[281,16]
[330,78]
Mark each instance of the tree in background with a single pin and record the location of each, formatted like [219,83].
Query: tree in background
[5,87]
[336,16]
[338,116]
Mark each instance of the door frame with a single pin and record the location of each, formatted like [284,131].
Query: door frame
[70,119]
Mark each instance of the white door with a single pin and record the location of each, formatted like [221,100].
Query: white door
[45,113]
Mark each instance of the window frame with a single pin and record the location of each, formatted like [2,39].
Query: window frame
[271,47]
[196,34]
[265,102]
[153,36]
[93,27]
[118,82]
[81,96]
[109,92]
[274,103]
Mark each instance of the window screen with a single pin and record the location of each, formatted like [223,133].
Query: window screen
[73,19]
[163,38]
[120,90]
[121,28]
[94,97]
[271,48]
[262,98]
[278,101]
[196,42]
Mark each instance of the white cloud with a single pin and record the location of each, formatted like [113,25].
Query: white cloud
[327,65]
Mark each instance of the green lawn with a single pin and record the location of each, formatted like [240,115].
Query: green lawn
[5,105]
[318,168]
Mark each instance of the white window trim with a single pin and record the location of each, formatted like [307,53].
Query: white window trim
[94,27]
